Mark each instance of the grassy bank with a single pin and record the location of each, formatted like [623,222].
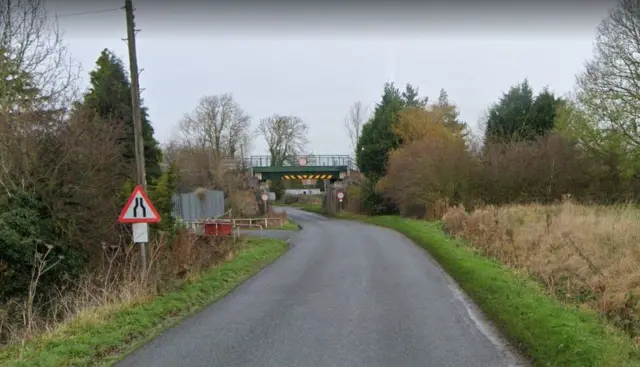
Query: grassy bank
[549,332]
[108,335]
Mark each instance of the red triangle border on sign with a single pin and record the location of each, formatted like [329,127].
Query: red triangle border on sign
[139,189]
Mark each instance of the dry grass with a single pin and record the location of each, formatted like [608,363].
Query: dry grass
[117,283]
[104,335]
[587,255]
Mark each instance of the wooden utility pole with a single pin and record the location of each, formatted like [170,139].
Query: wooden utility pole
[141,176]
[135,96]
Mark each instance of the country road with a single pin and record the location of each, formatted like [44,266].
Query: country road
[346,294]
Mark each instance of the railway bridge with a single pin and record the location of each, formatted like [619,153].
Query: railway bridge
[301,167]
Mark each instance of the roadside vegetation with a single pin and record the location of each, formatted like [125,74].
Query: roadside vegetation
[104,333]
[552,318]
[537,217]
[66,169]
[539,212]
[542,327]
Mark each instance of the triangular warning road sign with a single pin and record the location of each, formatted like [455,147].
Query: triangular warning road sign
[139,209]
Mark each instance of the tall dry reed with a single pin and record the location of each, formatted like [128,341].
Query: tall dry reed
[588,255]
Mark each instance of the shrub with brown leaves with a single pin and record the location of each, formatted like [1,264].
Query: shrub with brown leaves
[423,172]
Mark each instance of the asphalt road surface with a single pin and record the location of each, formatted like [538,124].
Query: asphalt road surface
[346,294]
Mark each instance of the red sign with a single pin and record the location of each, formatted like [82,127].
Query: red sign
[340,195]
[302,161]
[265,197]
[139,209]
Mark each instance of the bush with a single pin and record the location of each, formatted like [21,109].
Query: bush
[528,171]
[426,174]
[374,202]
[27,228]
[426,171]
[291,199]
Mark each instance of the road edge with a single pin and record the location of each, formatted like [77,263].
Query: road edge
[168,310]
[575,337]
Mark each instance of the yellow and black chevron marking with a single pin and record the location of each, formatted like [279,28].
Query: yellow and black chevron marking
[307,177]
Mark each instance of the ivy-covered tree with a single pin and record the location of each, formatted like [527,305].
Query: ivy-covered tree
[110,96]
[519,116]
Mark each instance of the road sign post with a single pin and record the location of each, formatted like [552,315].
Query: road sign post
[139,211]
[340,196]
[265,199]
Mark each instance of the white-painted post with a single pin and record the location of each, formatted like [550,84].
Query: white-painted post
[141,236]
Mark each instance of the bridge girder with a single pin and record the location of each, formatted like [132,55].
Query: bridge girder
[301,168]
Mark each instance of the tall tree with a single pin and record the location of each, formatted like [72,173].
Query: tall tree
[212,139]
[519,116]
[110,96]
[608,90]
[286,136]
[447,112]
[358,115]
[507,119]
[377,138]
[411,97]
[543,113]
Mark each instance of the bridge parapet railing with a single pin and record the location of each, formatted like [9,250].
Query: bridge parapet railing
[309,160]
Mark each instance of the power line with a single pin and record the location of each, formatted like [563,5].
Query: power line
[88,12]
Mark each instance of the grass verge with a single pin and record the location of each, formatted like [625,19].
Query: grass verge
[289,226]
[107,338]
[549,332]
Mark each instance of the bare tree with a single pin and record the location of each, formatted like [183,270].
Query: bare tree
[609,88]
[211,138]
[245,146]
[218,124]
[36,70]
[285,136]
[357,116]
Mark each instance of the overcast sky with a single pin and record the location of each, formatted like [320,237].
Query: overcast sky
[314,62]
